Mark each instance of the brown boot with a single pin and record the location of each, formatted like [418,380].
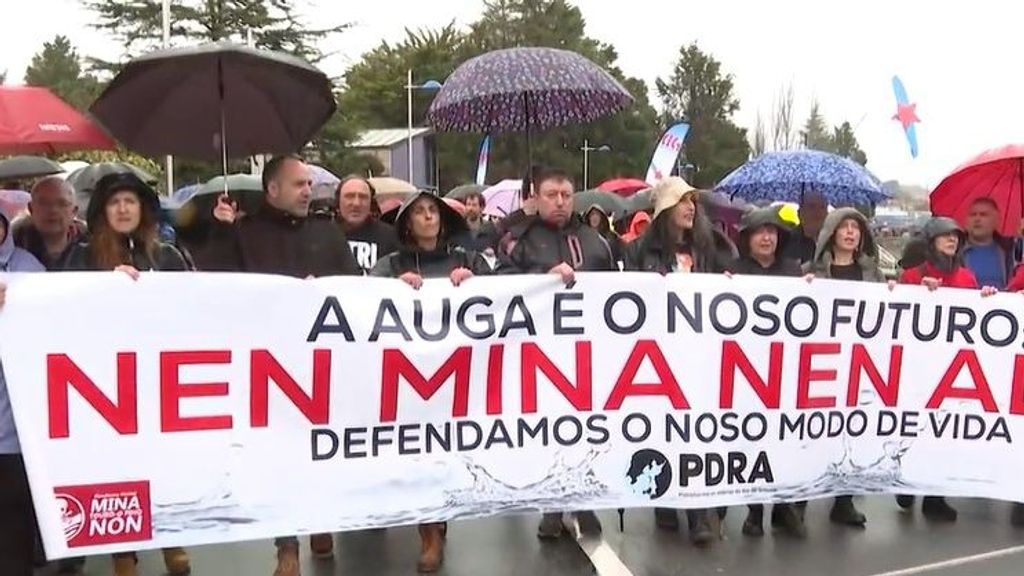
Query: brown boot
[322,546]
[431,548]
[125,565]
[287,560]
[176,561]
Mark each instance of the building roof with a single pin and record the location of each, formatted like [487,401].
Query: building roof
[386,137]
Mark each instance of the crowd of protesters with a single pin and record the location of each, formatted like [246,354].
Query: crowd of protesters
[548,235]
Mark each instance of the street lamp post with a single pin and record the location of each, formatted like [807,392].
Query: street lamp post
[409,87]
[168,160]
[587,149]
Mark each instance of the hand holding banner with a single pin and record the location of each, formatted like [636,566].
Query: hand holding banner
[355,403]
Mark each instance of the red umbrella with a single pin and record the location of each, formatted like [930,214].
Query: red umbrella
[997,174]
[624,187]
[34,121]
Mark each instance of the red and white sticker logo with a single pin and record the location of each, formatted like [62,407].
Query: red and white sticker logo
[96,514]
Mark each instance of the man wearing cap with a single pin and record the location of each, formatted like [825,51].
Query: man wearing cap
[369,238]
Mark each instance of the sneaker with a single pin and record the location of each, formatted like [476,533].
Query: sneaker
[322,546]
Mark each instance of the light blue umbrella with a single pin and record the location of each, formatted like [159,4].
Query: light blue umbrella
[787,176]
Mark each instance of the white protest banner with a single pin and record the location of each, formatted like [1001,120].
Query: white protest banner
[253,406]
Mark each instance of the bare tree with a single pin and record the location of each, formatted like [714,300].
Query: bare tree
[783,136]
[760,137]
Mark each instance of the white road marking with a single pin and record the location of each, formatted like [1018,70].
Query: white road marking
[953,562]
[606,562]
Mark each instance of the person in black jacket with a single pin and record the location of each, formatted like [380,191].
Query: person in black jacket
[554,241]
[368,237]
[281,238]
[427,227]
[762,245]
[680,239]
[123,218]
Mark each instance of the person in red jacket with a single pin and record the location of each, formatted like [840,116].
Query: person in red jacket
[942,268]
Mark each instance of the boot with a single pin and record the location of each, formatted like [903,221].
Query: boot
[550,527]
[844,512]
[905,501]
[1017,516]
[176,561]
[789,519]
[125,565]
[666,519]
[588,522]
[700,528]
[936,508]
[322,546]
[431,548]
[287,560]
[754,524]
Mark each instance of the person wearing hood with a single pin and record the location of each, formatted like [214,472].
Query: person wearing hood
[123,218]
[599,220]
[368,237]
[637,225]
[763,238]
[846,250]
[762,242]
[942,267]
[427,228]
[680,239]
[17,517]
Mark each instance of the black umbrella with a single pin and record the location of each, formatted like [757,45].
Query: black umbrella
[24,167]
[181,101]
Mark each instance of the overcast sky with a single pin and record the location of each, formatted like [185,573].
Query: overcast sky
[958,60]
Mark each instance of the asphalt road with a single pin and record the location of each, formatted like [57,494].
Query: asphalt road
[895,543]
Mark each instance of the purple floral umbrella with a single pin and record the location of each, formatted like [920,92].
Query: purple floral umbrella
[523,89]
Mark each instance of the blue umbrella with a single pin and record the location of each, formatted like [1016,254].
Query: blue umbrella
[786,176]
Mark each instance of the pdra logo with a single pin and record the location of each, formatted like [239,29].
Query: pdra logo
[649,474]
[72,515]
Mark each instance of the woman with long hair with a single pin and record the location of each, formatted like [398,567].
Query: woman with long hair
[427,228]
[123,219]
